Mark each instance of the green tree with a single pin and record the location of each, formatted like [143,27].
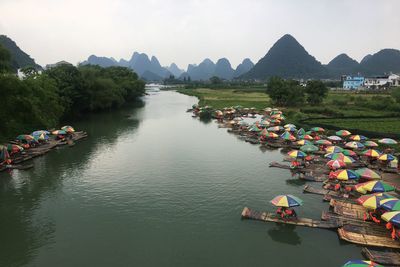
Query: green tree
[215,80]
[316,92]
[285,92]
[5,60]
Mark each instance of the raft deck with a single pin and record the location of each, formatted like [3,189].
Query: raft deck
[368,236]
[272,217]
[391,258]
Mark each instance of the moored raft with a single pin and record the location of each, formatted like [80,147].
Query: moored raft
[313,190]
[367,236]
[391,258]
[272,217]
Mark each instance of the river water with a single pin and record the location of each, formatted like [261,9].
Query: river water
[152,186]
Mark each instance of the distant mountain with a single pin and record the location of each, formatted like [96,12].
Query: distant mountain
[365,58]
[175,70]
[342,65]
[223,69]
[287,59]
[101,61]
[204,71]
[243,67]
[139,62]
[385,61]
[19,58]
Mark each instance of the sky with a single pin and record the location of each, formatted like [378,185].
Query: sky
[188,31]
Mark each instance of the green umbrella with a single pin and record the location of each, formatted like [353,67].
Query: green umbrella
[309,148]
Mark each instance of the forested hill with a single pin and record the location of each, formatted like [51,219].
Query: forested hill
[19,59]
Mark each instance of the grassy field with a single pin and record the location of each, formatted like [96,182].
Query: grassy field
[336,105]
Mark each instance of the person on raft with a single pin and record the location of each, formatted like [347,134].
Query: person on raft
[286,213]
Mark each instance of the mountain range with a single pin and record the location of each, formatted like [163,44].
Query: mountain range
[19,58]
[287,58]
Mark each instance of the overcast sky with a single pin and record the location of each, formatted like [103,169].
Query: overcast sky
[187,31]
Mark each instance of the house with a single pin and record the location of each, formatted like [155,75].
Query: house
[384,81]
[353,82]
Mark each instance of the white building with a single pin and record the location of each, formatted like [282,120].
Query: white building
[385,81]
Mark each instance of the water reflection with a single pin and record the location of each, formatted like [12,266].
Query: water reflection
[23,231]
[285,233]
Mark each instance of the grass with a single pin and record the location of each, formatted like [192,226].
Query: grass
[336,105]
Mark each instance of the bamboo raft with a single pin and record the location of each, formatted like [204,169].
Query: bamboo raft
[272,217]
[348,209]
[313,190]
[391,258]
[311,178]
[368,236]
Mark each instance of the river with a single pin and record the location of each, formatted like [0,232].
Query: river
[152,186]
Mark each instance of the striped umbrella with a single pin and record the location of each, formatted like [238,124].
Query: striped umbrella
[361,263]
[272,135]
[254,128]
[317,129]
[303,142]
[340,156]
[334,138]
[358,138]
[336,164]
[308,137]
[343,133]
[387,157]
[275,129]
[370,144]
[348,152]
[297,154]
[25,137]
[59,132]
[387,141]
[264,132]
[372,153]
[301,132]
[286,201]
[390,204]
[368,174]
[374,187]
[288,136]
[333,149]
[392,216]
[289,125]
[68,129]
[323,142]
[290,129]
[344,175]
[354,145]
[372,201]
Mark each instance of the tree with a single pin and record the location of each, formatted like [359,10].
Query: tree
[316,92]
[215,80]
[5,60]
[285,92]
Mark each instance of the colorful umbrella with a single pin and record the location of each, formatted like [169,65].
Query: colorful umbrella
[254,128]
[340,156]
[348,152]
[371,202]
[290,129]
[358,138]
[387,141]
[387,157]
[368,174]
[390,204]
[374,187]
[361,263]
[309,148]
[297,154]
[275,129]
[345,175]
[323,142]
[392,216]
[25,137]
[289,125]
[317,129]
[343,133]
[11,148]
[272,135]
[301,132]
[336,164]
[304,142]
[334,138]
[68,129]
[308,137]
[58,132]
[333,149]
[372,153]
[354,145]
[370,144]
[286,201]
[287,136]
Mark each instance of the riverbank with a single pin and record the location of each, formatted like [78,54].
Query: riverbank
[339,106]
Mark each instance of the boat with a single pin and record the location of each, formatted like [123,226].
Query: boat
[391,258]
